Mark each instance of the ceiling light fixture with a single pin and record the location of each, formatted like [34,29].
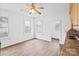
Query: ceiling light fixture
[35,9]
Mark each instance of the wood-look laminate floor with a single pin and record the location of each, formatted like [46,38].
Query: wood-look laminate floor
[34,47]
[70,48]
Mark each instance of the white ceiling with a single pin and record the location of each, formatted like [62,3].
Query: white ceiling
[49,8]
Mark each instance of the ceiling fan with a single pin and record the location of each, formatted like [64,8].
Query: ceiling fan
[35,8]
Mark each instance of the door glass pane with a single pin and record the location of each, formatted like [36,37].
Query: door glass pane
[27,27]
[39,27]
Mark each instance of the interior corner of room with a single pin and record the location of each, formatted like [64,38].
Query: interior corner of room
[20,22]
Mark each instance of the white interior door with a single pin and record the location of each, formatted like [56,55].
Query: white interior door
[56,29]
[41,30]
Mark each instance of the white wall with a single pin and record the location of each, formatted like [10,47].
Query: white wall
[51,14]
[16,28]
